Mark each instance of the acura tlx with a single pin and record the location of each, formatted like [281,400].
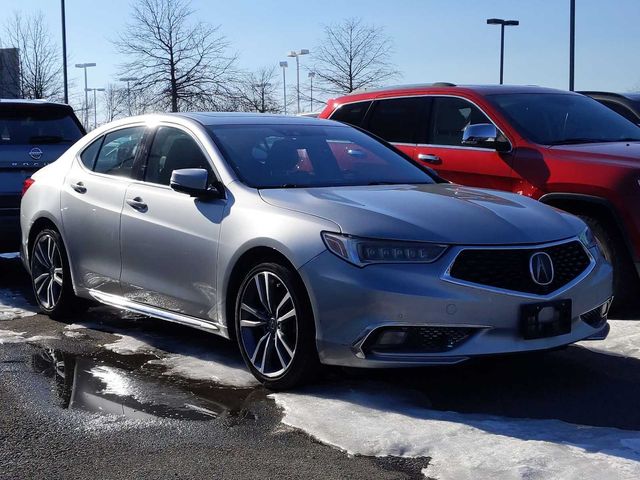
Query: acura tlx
[307,242]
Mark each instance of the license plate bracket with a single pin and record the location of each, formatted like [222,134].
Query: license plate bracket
[544,320]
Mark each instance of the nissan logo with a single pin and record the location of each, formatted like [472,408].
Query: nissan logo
[35,153]
[541,268]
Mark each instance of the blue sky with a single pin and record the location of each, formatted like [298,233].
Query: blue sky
[435,40]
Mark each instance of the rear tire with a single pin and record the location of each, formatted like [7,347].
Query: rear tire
[275,327]
[626,284]
[51,276]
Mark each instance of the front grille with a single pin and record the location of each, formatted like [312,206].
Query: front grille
[509,268]
[419,339]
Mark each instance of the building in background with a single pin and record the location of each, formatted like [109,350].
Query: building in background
[9,73]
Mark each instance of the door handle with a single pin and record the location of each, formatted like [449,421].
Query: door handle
[429,158]
[137,204]
[79,187]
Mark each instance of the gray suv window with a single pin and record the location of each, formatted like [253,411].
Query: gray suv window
[172,149]
[118,152]
[449,118]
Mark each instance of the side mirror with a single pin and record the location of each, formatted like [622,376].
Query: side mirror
[484,135]
[195,182]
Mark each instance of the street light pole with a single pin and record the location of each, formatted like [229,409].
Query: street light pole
[95,104]
[284,66]
[572,43]
[297,55]
[502,23]
[64,53]
[311,75]
[86,92]
[128,80]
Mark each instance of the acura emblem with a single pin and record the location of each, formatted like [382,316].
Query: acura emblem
[541,268]
[35,153]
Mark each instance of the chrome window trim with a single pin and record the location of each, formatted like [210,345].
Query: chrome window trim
[432,95]
[446,276]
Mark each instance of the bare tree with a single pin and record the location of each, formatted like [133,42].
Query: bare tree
[180,62]
[114,101]
[353,56]
[260,91]
[40,67]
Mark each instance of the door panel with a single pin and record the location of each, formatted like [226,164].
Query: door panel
[169,240]
[441,147]
[91,207]
[169,249]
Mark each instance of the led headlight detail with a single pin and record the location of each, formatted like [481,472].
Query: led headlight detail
[365,251]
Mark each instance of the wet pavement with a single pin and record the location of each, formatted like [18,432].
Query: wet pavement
[117,395]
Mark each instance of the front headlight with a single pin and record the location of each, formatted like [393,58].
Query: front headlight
[587,238]
[365,251]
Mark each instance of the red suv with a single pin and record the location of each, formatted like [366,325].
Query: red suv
[565,149]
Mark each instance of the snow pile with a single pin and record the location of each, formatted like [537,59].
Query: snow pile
[208,366]
[461,446]
[7,336]
[127,345]
[13,305]
[623,339]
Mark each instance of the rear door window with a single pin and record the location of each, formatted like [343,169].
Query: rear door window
[118,152]
[449,117]
[88,156]
[37,125]
[398,119]
[351,113]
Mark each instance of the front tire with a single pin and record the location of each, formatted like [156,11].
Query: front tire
[275,327]
[51,276]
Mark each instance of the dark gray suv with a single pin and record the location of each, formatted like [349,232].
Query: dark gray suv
[33,133]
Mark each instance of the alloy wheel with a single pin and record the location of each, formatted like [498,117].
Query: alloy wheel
[47,271]
[268,324]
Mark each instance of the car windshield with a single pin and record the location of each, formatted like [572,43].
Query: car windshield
[37,126]
[291,156]
[557,119]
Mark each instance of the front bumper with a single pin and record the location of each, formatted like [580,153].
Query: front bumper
[350,302]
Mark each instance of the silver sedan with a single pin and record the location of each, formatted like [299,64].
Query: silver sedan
[308,242]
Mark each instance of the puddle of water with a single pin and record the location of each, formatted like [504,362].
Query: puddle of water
[89,384]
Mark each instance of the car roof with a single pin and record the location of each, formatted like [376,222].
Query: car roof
[235,118]
[447,88]
[25,101]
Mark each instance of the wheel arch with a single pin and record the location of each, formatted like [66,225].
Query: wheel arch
[590,205]
[247,260]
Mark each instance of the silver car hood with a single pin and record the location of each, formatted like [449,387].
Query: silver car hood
[444,213]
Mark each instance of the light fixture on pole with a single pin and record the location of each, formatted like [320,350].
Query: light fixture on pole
[284,66]
[86,93]
[129,80]
[502,23]
[297,55]
[311,76]
[95,104]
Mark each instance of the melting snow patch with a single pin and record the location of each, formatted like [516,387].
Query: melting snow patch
[14,305]
[127,345]
[7,336]
[623,339]
[461,446]
[208,366]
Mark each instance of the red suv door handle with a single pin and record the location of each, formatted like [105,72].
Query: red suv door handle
[429,158]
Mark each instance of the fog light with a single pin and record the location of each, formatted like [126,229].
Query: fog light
[392,337]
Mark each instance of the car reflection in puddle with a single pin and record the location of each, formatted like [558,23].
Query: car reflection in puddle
[87,384]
